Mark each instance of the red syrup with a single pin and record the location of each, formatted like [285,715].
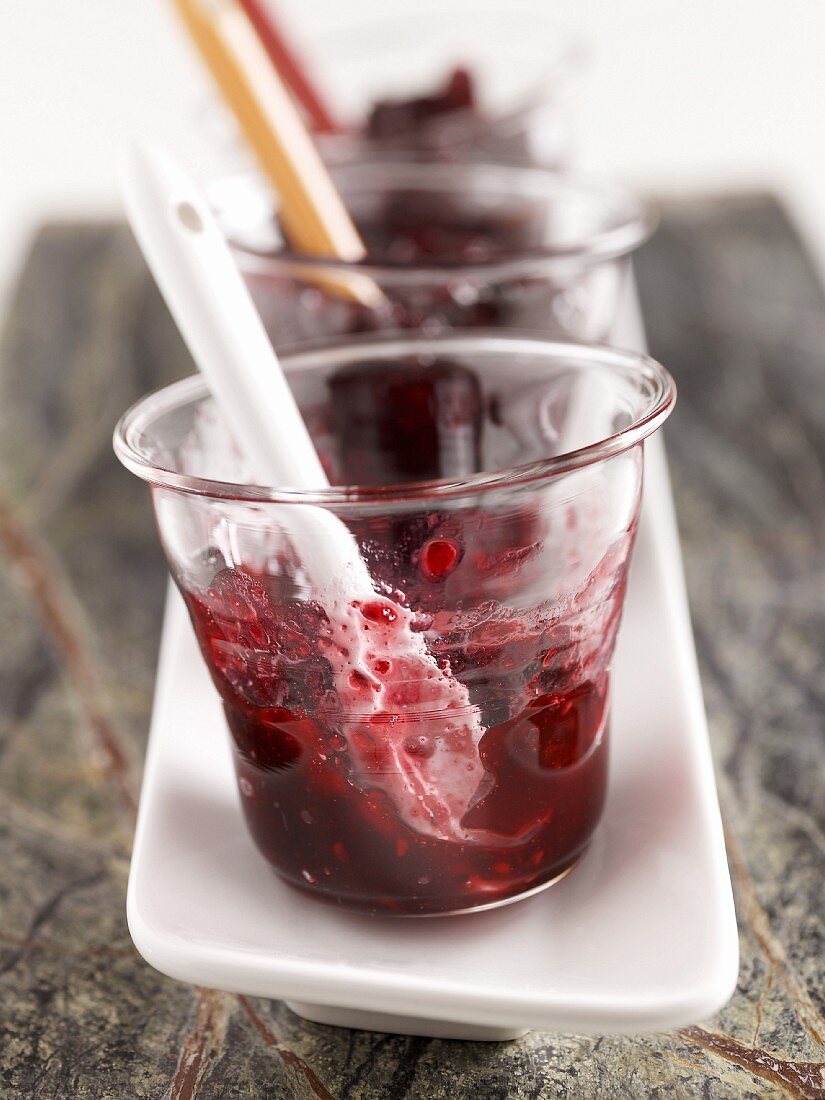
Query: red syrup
[538,678]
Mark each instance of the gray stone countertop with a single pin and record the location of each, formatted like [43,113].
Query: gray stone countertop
[732,306]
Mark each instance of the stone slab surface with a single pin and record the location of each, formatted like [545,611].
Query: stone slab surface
[733,307]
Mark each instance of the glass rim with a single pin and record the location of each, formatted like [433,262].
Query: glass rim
[635,223]
[145,411]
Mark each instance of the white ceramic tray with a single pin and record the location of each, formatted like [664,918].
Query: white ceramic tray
[641,936]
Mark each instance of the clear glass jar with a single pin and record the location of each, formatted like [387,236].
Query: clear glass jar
[522,66]
[438,743]
[448,246]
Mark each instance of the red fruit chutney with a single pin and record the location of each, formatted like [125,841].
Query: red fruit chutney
[539,681]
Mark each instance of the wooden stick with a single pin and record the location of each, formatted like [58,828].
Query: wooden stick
[312,214]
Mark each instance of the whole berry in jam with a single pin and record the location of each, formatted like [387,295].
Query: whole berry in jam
[438,558]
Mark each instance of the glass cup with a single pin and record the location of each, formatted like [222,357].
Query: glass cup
[481,89]
[492,85]
[439,743]
[448,246]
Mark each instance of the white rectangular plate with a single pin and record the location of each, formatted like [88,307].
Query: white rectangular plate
[641,936]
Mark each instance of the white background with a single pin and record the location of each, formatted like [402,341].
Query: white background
[681,95]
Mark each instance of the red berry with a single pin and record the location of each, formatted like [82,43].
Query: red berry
[438,559]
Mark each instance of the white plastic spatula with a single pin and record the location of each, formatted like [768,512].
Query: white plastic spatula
[193,267]
[206,295]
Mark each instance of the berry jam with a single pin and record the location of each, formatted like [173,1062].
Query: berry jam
[394,120]
[482,773]
[428,229]
[446,124]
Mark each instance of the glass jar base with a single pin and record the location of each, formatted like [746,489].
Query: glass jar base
[458,911]
[500,903]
